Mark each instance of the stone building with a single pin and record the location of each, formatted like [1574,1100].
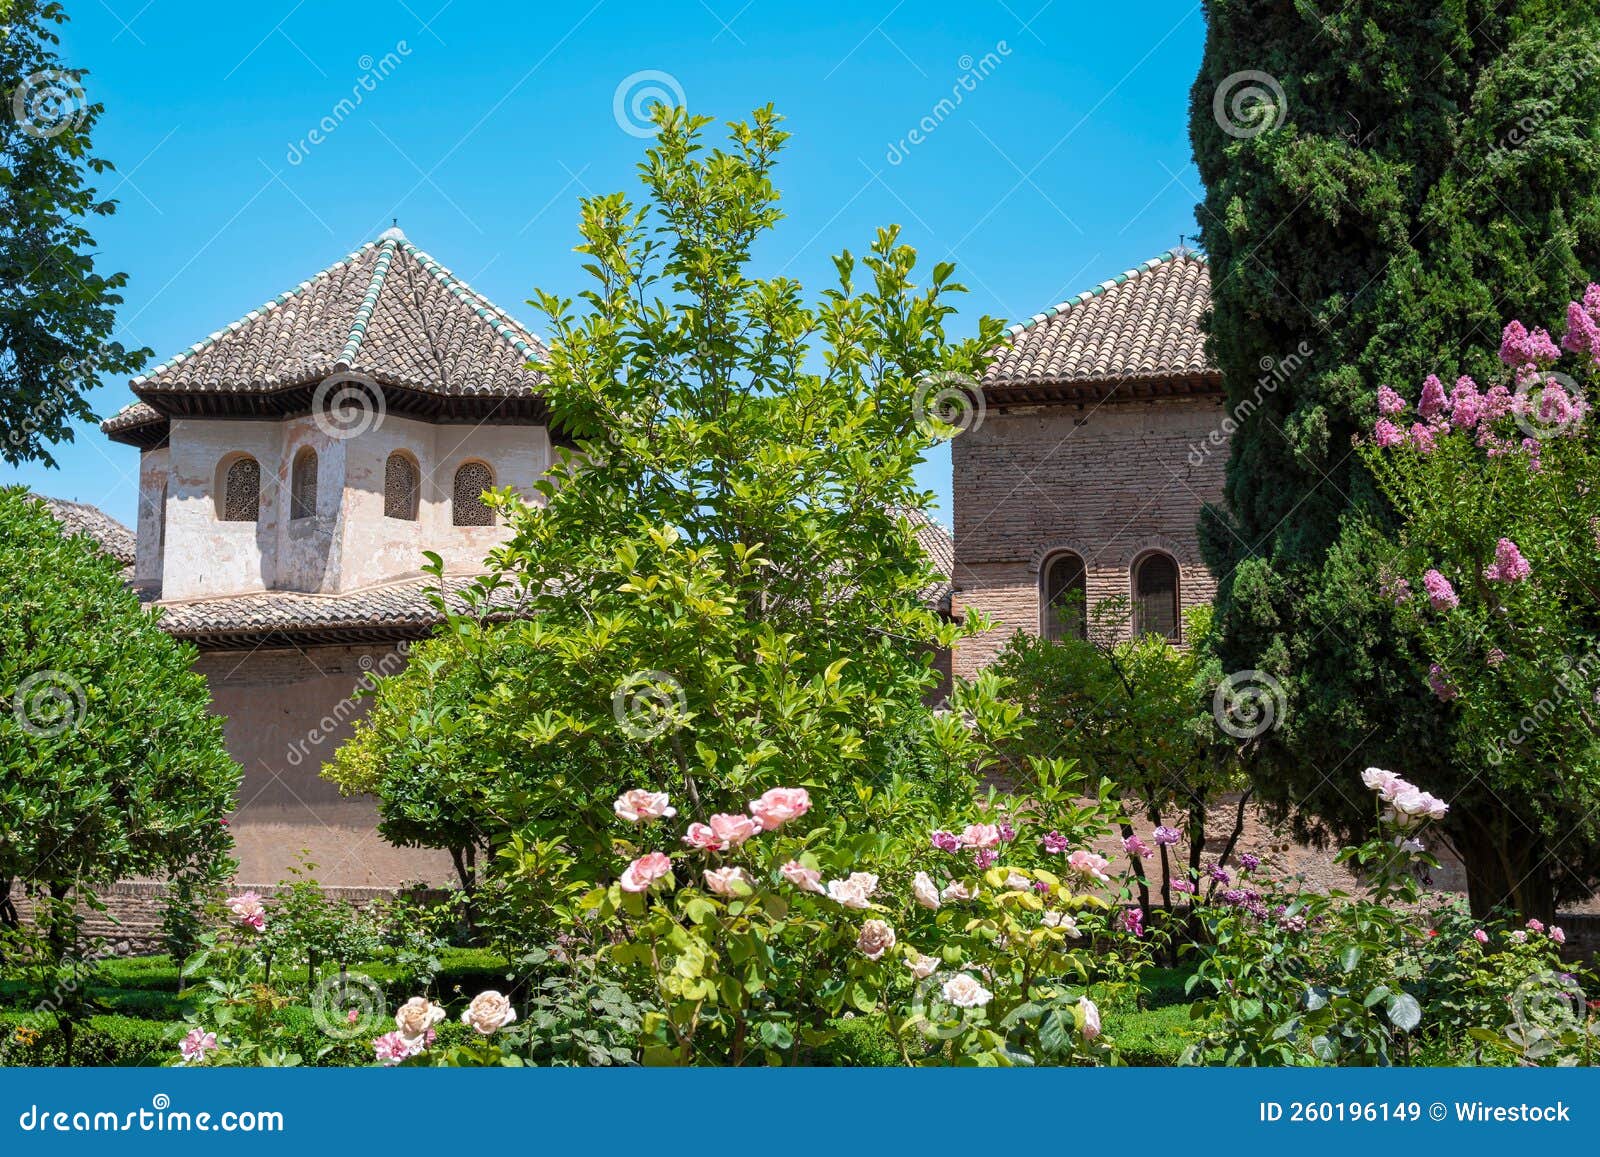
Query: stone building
[1082,478]
[294,466]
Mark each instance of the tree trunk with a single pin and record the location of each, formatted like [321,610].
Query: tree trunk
[1506,868]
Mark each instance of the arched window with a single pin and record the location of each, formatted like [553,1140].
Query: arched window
[303,484]
[1155,596]
[1066,597]
[471,481]
[241,491]
[400,487]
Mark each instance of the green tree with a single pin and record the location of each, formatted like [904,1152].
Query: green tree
[111,764]
[1137,713]
[719,592]
[1401,178]
[56,313]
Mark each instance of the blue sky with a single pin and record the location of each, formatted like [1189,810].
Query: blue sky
[1066,161]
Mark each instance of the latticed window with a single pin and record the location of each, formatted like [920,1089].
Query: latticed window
[400,488]
[471,481]
[1155,597]
[1066,597]
[303,485]
[241,492]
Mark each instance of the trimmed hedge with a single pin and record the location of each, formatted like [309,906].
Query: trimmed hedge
[1151,1038]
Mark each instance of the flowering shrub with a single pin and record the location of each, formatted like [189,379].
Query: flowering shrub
[756,931]
[1493,573]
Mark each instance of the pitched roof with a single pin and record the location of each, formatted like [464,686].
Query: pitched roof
[1142,327]
[383,613]
[940,547]
[388,312]
[92,522]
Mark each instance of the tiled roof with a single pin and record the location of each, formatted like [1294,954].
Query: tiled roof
[388,312]
[1140,326]
[80,518]
[940,547]
[397,610]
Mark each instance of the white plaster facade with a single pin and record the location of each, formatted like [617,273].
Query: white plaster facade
[189,551]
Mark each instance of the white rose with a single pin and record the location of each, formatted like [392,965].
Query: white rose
[854,890]
[922,966]
[963,991]
[1062,921]
[956,890]
[416,1016]
[1018,882]
[488,1011]
[925,890]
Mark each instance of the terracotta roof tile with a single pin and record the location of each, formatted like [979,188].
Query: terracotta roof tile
[92,522]
[390,611]
[1143,325]
[388,310]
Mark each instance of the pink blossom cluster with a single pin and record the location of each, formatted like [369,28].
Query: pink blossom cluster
[1509,566]
[1441,595]
[1583,325]
[725,831]
[248,910]
[1440,684]
[1408,804]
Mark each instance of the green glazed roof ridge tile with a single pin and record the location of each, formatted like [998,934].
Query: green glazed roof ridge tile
[369,301]
[520,338]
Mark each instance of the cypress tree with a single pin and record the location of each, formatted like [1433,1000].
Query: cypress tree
[1386,182]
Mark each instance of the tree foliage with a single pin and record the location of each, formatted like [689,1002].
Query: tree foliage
[56,312]
[1410,174]
[111,764]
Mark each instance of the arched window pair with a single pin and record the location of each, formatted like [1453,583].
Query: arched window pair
[240,497]
[402,486]
[1154,582]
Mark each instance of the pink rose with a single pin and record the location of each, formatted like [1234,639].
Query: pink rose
[780,805]
[639,805]
[702,837]
[876,938]
[730,882]
[1480,936]
[645,871]
[1091,1018]
[802,877]
[1536,925]
[1557,934]
[196,1045]
[391,1048]
[980,835]
[732,830]
[1089,864]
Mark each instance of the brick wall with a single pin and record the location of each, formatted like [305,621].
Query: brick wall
[1109,481]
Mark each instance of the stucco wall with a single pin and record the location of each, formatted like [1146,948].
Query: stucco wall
[348,543]
[1109,481]
[286,712]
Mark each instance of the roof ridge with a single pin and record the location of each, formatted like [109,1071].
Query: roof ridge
[369,300]
[505,327]
[1110,283]
[260,311]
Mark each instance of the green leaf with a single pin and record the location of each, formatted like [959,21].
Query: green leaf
[1404,1011]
